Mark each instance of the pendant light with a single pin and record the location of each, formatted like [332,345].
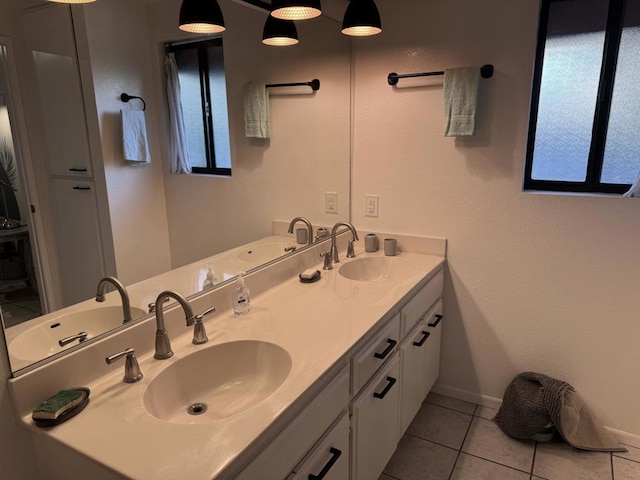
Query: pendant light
[72,1]
[201,16]
[279,33]
[295,9]
[361,19]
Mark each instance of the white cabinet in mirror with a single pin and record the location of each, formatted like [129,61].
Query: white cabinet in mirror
[142,221]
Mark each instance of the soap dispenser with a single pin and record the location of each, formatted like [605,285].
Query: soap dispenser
[241,298]
[210,280]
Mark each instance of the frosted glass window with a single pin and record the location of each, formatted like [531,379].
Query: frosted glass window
[203,95]
[622,153]
[219,101]
[191,99]
[586,98]
[568,93]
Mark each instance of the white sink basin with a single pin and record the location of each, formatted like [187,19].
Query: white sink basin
[264,252]
[373,269]
[41,341]
[217,382]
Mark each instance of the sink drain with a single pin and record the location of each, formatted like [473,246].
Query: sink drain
[197,409]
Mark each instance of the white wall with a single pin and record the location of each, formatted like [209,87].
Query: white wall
[307,155]
[538,282]
[117,35]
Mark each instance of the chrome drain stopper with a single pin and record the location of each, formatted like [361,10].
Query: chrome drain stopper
[197,409]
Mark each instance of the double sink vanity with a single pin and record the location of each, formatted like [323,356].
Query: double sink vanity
[318,380]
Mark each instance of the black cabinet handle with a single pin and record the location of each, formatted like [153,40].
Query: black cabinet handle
[392,343]
[81,188]
[77,169]
[435,324]
[335,455]
[423,339]
[384,392]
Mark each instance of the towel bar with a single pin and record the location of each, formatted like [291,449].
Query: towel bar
[486,71]
[125,97]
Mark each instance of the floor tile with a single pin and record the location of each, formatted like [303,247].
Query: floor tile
[625,469]
[486,440]
[417,459]
[486,412]
[632,454]
[469,467]
[385,477]
[452,403]
[560,461]
[440,425]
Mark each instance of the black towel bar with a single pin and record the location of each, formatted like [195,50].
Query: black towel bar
[314,84]
[125,97]
[486,71]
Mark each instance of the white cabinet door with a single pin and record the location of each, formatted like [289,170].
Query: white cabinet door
[375,423]
[329,459]
[77,238]
[433,320]
[50,38]
[420,364]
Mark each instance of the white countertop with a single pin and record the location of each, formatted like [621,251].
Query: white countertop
[318,324]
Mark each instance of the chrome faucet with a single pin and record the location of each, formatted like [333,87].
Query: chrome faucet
[334,248]
[307,223]
[81,336]
[126,305]
[163,345]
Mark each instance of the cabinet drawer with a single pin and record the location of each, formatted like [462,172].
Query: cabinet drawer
[373,355]
[281,456]
[329,459]
[421,302]
[375,423]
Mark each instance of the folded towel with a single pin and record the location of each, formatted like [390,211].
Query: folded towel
[532,401]
[461,100]
[134,137]
[256,111]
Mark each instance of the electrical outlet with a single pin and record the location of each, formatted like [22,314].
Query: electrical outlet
[371,205]
[331,202]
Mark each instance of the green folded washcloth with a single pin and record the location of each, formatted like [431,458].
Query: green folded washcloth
[61,402]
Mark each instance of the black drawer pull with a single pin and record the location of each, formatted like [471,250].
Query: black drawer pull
[392,381]
[435,324]
[335,455]
[423,339]
[77,169]
[81,188]
[392,343]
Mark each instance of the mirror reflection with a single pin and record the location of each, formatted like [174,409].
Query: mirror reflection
[95,214]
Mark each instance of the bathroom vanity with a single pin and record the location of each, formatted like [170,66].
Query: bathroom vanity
[318,380]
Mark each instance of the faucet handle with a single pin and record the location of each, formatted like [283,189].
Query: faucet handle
[199,332]
[152,305]
[350,252]
[132,371]
[82,336]
[328,265]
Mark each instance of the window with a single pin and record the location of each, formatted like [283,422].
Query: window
[203,95]
[584,123]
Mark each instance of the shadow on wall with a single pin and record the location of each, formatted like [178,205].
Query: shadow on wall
[458,360]
[497,146]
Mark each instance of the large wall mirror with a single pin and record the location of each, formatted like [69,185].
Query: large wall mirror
[82,208]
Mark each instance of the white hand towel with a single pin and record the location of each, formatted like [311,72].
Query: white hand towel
[134,137]
[256,111]
[634,191]
[461,101]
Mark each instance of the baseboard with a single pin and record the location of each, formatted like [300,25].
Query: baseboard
[494,402]
[484,400]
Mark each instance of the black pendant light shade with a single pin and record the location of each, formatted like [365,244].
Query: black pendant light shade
[279,33]
[361,19]
[295,9]
[201,16]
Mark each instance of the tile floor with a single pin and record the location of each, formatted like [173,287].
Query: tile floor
[455,440]
[19,302]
